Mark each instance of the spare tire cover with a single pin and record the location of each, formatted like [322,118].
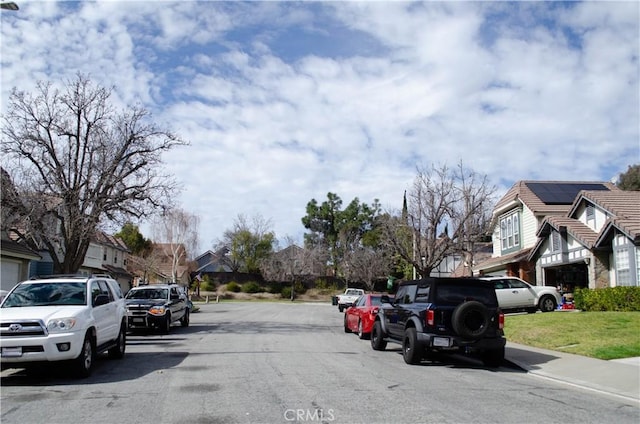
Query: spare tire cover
[470,320]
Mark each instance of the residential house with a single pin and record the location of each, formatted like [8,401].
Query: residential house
[15,260]
[518,216]
[597,243]
[210,262]
[108,255]
[169,264]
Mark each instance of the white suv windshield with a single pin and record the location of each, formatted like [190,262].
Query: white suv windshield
[47,294]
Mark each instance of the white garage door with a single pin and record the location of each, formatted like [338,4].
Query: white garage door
[10,274]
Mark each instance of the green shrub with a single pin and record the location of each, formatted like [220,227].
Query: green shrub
[323,284]
[252,287]
[620,299]
[233,287]
[207,285]
[286,292]
[274,287]
[300,288]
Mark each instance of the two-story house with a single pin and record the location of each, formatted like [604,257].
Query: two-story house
[108,255]
[517,217]
[597,243]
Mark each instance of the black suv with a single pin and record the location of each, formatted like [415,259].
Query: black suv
[156,306]
[456,315]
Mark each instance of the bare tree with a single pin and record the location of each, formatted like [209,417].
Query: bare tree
[76,161]
[365,264]
[447,212]
[176,230]
[293,262]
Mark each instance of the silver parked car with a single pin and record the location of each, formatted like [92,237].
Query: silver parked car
[515,294]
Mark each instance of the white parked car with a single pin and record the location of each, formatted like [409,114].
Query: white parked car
[516,294]
[349,296]
[62,318]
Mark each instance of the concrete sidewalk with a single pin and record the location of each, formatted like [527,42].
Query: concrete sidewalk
[617,377]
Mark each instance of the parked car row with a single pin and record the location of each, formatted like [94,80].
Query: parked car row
[446,315]
[71,319]
[433,315]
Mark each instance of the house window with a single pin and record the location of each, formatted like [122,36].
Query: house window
[623,272]
[510,231]
[104,253]
[591,216]
[555,241]
[637,266]
[115,258]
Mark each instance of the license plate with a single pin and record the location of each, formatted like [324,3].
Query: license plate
[11,352]
[441,341]
[138,320]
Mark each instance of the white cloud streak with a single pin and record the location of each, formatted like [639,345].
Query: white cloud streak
[284,102]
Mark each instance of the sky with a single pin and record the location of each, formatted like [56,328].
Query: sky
[284,102]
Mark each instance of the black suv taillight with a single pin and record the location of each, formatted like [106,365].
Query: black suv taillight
[431,317]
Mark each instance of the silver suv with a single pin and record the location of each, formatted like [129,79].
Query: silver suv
[515,294]
[62,318]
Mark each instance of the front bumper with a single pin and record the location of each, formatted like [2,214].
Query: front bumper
[53,347]
[145,321]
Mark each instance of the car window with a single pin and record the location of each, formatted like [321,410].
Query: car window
[517,284]
[422,294]
[148,293]
[116,290]
[376,300]
[45,294]
[500,284]
[95,290]
[454,294]
[104,289]
[407,296]
[361,301]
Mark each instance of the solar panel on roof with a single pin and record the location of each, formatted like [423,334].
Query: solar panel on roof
[561,193]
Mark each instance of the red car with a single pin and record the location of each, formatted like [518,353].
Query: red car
[359,317]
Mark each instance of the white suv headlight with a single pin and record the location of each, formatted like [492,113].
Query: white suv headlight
[61,325]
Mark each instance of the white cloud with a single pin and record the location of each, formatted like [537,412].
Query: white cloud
[284,102]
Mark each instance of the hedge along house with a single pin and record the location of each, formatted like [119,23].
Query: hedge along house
[517,217]
[596,245]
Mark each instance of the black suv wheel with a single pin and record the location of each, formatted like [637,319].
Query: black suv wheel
[410,349]
[377,338]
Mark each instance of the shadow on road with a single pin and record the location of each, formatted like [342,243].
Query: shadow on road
[132,366]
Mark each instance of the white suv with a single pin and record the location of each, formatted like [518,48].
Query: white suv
[62,318]
[516,294]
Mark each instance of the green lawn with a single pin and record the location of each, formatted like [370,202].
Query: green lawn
[602,335]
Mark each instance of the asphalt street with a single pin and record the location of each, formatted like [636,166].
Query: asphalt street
[292,362]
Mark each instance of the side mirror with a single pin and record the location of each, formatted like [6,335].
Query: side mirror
[101,299]
[385,299]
